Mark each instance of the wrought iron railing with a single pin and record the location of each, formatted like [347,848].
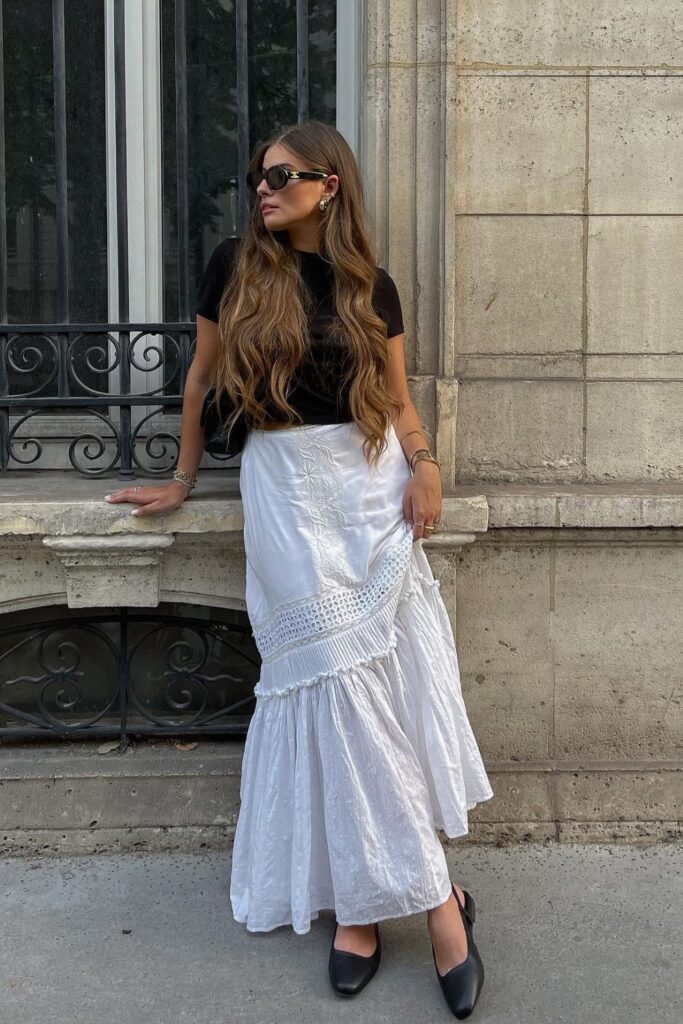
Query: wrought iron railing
[122,379]
[124,673]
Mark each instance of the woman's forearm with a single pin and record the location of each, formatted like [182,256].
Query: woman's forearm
[191,431]
[409,430]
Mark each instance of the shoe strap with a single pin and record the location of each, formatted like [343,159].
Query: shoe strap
[463,909]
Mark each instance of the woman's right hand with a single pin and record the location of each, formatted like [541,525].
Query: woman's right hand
[151,500]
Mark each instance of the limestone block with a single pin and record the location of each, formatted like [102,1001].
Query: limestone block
[509,833]
[620,795]
[521,144]
[528,33]
[208,569]
[464,515]
[504,647]
[636,125]
[518,797]
[124,839]
[518,284]
[111,571]
[635,301]
[29,575]
[609,508]
[634,431]
[66,514]
[635,833]
[618,641]
[101,801]
[514,430]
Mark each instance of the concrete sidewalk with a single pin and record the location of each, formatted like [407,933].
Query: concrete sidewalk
[568,934]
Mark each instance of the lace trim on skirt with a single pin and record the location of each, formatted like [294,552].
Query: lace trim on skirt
[317,638]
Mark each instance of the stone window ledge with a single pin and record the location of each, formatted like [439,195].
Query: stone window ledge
[59,505]
[62,504]
[579,506]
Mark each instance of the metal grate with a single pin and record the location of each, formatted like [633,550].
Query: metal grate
[103,371]
[120,673]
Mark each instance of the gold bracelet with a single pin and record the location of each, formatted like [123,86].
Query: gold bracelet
[416,452]
[188,479]
[421,454]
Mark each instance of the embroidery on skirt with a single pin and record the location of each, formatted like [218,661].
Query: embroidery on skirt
[325,500]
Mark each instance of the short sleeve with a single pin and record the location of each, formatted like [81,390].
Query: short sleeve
[387,303]
[215,277]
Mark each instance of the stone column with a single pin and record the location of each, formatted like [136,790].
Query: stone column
[407,164]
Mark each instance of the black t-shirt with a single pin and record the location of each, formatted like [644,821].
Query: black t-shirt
[316,388]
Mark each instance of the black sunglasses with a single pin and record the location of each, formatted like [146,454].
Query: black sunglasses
[278,176]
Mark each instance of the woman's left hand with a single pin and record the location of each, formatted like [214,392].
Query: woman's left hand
[422,498]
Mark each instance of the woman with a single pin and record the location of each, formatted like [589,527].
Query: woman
[359,745]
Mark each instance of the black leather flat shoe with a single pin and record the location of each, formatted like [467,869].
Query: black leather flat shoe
[462,984]
[350,972]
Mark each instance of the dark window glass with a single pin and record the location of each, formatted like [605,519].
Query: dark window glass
[87,160]
[30,156]
[30,161]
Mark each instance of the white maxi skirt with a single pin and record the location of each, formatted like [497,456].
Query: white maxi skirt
[359,746]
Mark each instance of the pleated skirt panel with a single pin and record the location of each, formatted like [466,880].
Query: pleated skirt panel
[359,746]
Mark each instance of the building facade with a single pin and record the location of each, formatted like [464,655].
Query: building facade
[522,168]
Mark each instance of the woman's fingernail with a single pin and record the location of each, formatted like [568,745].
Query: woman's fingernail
[133,511]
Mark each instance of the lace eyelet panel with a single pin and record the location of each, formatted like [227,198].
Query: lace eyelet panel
[317,617]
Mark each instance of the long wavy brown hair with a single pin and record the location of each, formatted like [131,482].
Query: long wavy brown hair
[262,322]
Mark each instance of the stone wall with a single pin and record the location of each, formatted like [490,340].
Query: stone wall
[525,167]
